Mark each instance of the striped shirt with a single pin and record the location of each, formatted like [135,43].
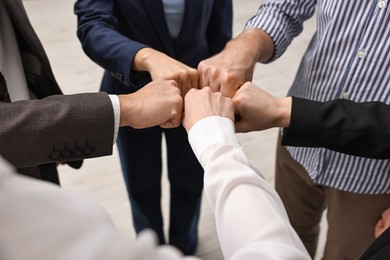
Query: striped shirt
[348,57]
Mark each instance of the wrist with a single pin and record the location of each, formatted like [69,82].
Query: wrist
[143,59]
[257,43]
[284,108]
[125,110]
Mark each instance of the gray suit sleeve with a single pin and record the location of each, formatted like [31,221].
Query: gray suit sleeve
[58,128]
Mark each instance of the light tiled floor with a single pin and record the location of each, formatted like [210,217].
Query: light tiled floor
[101,178]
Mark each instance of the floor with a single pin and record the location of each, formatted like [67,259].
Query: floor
[101,178]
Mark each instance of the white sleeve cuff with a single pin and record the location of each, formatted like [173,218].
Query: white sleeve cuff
[210,131]
[117,114]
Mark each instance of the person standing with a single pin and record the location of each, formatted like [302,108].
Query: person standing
[139,41]
[40,127]
[347,58]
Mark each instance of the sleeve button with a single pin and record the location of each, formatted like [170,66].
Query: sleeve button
[55,155]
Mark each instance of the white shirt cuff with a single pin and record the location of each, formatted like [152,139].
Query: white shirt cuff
[210,131]
[117,114]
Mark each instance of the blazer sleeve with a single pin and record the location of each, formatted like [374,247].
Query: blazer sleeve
[37,217]
[56,129]
[101,40]
[219,30]
[360,129]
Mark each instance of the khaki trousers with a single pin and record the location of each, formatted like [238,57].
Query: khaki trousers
[351,217]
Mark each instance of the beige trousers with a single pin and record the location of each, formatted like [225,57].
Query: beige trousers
[351,217]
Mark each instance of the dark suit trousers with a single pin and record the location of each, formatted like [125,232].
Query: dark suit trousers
[141,160]
[46,172]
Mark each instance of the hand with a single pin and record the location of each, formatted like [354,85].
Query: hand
[162,67]
[383,223]
[204,103]
[259,110]
[157,103]
[228,70]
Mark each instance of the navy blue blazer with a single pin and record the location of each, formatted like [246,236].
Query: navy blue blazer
[112,31]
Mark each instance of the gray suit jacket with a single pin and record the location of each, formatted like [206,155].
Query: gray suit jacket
[54,128]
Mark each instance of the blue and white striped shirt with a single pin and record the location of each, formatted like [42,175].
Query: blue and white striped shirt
[348,57]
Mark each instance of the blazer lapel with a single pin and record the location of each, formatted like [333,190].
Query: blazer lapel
[34,58]
[4,95]
[155,9]
[20,19]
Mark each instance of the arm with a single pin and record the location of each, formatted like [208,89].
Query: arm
[101,40]
[361,129]
[39,220]
[234,65]
[73,127]
[98,31]
[162,67]
[265,38]
[250,217]
[282,21]
[53,129]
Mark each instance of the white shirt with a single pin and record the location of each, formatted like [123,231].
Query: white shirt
[41,221]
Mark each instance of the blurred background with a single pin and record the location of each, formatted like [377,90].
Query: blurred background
[101,178]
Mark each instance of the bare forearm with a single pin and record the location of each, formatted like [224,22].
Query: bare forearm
[256,43]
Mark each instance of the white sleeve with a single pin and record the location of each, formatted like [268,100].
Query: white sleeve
[39,220]
[250,218]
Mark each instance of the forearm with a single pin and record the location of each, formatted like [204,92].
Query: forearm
[250,217]
[98,33]
[282,20]
[361,129]
[56,129]
[254,45]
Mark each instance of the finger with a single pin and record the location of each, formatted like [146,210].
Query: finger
[200,81]
[237,105]
[206,76]
[202,75]
[186,86]
[205,81]
[174,121]
[195,80]
[229,90]
[379,228]
[185,122]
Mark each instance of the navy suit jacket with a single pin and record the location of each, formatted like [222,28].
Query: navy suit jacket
[113,31]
